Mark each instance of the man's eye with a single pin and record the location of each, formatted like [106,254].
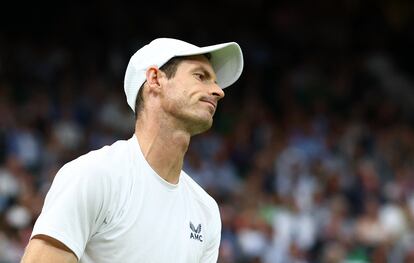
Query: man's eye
[199,76]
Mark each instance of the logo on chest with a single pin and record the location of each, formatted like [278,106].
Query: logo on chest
[196,232]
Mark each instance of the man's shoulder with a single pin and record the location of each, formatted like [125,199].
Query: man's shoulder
[198,192]
[107,157]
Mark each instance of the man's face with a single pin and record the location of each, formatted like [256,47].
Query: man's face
[191,96]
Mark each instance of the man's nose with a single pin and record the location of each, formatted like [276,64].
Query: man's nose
[217,91]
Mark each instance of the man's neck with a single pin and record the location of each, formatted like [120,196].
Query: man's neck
[163,148]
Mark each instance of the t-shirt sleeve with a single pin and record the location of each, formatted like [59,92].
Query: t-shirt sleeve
[211,251]
[73,208]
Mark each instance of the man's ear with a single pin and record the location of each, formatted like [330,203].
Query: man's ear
[153,75]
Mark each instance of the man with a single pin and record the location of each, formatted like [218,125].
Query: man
[131,202]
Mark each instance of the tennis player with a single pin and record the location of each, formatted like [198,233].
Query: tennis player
[131,201]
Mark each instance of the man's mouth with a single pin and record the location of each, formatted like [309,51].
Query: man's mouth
[211,102]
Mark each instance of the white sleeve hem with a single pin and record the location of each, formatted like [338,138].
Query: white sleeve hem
[61,238]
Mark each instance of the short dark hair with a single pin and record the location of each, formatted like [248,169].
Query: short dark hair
[169,68]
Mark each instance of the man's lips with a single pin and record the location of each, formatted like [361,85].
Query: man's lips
[209,101]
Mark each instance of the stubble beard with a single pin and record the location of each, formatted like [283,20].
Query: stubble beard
[197,124]
[194,120]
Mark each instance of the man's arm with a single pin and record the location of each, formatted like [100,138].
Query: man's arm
[44,249]
[211,251]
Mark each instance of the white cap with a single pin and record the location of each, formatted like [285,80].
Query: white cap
[226,60]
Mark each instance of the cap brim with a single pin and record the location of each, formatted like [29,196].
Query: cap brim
[226,60]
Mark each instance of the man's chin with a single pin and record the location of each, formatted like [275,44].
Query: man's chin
[201,126]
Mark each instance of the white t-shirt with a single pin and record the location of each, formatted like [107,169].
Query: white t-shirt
[110,206]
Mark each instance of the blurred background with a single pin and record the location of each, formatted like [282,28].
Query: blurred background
[311,157]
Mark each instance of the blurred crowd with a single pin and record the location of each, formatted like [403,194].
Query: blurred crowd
[311,155]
